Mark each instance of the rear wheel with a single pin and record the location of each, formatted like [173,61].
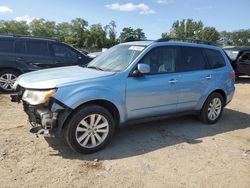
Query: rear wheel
[7,79]
[212,109]
[89,129]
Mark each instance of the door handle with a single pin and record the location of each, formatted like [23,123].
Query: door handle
[173,81]
[209,77]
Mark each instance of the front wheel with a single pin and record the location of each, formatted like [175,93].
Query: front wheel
[89,129]
[212,109]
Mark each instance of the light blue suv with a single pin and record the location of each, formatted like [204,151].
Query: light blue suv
[129,82]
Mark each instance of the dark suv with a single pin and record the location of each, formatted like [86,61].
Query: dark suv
[21,54]
[240,59]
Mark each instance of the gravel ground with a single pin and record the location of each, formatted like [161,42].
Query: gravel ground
[180,152]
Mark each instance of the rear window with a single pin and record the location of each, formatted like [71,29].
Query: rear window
[6,45]
[192,60]
[233,54]
[215,58]
[37,48]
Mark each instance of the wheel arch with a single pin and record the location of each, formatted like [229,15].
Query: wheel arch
[222,93]
[111,107]
[11,68]
[205,97]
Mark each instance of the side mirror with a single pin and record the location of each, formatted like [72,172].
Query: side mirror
[243,58]
[142,69]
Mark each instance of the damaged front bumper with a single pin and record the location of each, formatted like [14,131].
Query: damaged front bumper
[46,119]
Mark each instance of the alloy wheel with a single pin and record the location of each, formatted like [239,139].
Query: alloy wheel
[7,80]
[92,130]
[214,109]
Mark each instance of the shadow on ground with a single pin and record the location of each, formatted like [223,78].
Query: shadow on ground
[138,139]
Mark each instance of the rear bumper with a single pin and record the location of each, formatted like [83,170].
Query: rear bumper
[230,97]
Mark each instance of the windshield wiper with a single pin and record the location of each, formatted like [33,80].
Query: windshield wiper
[94,67]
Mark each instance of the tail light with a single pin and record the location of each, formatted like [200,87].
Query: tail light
[232,74]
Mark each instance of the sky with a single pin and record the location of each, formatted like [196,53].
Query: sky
[153,16]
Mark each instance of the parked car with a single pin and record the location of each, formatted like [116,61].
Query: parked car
[130,82]
[21,54]
[240,59]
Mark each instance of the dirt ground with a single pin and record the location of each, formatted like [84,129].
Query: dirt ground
[180,152]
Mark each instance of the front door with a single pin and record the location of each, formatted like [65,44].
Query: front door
[154,94]
[243,64]
[63,55]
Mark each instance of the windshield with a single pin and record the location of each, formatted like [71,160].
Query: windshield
[117,58]
[232,54]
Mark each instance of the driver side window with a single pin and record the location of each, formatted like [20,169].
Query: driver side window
[246,57]
[161,59]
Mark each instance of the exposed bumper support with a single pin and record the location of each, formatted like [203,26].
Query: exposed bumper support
[45,119]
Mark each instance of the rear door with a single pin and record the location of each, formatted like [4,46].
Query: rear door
[243,64]
[37,55]
[195,78]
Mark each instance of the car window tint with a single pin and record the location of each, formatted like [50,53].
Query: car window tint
[215,58]
[192,59]
[63,51]
[161,59]
[37,48]
[246,57]
[6,45]
[20,46]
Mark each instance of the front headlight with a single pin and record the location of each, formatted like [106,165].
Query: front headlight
[35,97]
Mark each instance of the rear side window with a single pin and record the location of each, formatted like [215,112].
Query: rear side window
[37,48]
[6,45]
[192,60]
[215,58]
[20,46]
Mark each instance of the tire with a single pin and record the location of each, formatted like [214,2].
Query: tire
[84,136]
[7,78]
[212,109]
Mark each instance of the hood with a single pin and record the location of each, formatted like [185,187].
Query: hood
[51,78]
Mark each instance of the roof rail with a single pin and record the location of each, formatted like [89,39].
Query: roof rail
[27,36]
[186,40]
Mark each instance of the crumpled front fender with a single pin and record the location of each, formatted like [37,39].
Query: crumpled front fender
[77,97]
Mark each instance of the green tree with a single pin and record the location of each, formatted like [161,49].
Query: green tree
[14,27]
[139,34]
[43,28]
[241,37]
[96,37]
[209,34]
[236,38]
[110,30]
[64,31]
[78,31]
[129,34]
[185,29]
